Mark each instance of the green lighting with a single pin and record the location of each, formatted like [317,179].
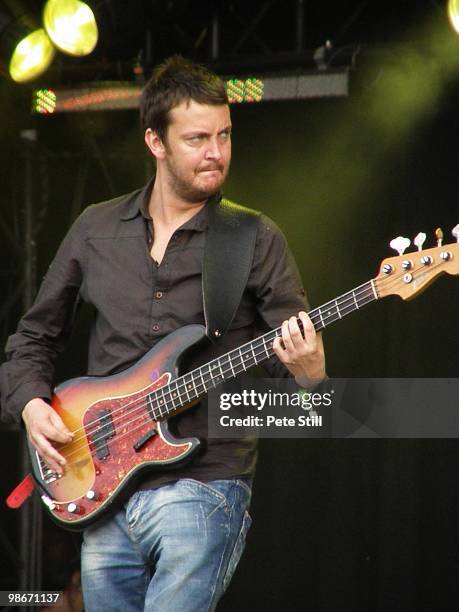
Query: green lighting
[254,90]
[44,101]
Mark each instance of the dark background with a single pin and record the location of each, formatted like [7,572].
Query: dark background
[338,524]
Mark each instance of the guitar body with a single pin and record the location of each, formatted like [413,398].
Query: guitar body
[116,437]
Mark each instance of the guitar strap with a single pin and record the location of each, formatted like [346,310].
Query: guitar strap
[228,256]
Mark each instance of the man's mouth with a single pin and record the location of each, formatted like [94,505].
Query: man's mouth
[205,170]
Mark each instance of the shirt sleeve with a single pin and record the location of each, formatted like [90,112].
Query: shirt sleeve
[42,333]
[276,283]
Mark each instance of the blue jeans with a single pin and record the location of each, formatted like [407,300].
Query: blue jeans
[171,549]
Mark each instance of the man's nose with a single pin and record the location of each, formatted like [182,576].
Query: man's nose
[213,150]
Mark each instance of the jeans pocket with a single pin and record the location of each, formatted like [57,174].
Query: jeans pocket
[208,489]
[246,484]
[237,550]
[133,507]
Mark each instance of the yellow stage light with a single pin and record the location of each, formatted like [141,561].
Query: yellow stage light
[453,13]
[32,56]
[71,26]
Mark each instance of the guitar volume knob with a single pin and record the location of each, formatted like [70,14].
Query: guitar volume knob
[48,502]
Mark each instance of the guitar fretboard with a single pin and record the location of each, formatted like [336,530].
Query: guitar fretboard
[167,400]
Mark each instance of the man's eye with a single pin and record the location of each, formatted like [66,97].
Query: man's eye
[194,139]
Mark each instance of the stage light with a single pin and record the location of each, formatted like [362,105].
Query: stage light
[25,49]
[31,57]
[71,26]
[249,90]
[44,101]
[453,13]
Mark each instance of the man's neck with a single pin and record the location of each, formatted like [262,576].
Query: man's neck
[168,209]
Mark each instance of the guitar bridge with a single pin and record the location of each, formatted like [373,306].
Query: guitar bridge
[47,474]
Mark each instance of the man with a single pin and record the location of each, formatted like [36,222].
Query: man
[138,259]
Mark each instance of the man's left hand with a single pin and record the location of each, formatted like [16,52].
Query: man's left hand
[303,355]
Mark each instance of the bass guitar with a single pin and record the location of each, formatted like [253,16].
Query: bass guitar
[120,422]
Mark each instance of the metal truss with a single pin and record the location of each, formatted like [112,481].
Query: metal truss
[23,217]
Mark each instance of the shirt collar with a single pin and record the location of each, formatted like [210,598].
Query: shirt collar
[137,202]
[138,205]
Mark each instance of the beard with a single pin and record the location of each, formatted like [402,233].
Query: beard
[187,190]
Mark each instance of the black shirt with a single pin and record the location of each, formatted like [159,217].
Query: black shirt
[105,261]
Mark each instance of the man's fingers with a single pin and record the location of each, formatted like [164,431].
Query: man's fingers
[295,333]
[277,346]
[45,427]
[62,434]
[47,451]
[49,430]
[286,336]
[309,331]
[296,341]
[301,350]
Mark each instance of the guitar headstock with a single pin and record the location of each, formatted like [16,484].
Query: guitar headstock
[408,274]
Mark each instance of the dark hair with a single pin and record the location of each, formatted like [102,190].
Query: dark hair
[176,80]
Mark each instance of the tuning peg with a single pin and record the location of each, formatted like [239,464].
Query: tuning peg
[419,240]
[439,236]
[399,244]
[455,232]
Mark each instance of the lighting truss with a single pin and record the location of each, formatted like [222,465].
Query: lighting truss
[99,96]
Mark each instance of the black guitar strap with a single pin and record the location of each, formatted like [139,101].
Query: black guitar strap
[228,257]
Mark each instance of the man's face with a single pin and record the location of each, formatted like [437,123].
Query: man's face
[197,150]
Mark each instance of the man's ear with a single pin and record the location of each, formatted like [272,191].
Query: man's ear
[155,144]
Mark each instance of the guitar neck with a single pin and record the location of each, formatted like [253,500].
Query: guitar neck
[186,389]
[343,305]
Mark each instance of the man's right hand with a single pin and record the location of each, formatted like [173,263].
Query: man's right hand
[44,425]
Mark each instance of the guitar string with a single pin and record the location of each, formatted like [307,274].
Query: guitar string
[171,406]
[333,304]
[317,313]
[200,388]
[329,318]
[170,403]
[174,386]
[173,391]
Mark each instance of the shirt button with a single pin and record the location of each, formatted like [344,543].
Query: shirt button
[155,327]
[158,295]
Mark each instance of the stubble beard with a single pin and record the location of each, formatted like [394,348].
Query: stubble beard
[186,190]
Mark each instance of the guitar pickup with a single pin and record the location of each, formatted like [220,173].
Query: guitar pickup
[103,433]
[102,450]
[144,439]
[106,429]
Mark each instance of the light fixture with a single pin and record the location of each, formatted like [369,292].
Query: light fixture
[453,13]
[71,26]
[31,57]
[44,101]
[25,49]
